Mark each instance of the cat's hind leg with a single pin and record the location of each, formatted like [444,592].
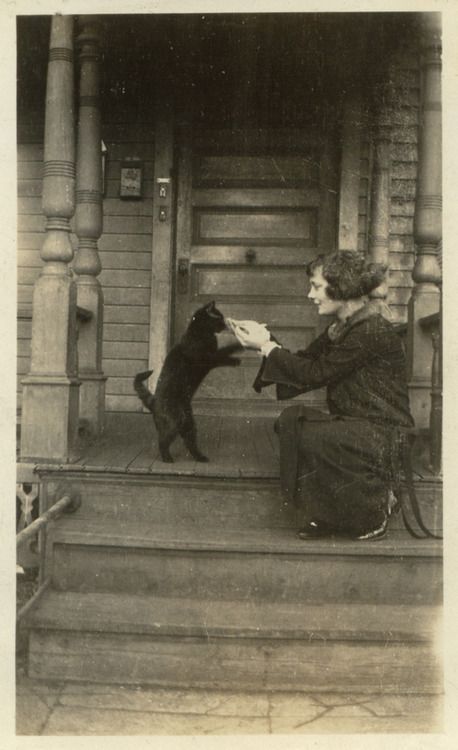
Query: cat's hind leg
[188,432]
[167,431]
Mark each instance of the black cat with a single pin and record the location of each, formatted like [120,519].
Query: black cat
[184,368]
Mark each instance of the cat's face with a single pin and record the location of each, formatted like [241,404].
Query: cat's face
[210,317]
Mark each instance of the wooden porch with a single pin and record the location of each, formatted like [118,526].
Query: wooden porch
[192,573]
[236,447]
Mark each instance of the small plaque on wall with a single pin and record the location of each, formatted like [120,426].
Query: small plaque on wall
[131,179]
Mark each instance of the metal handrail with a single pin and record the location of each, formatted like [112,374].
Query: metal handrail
[33,599]
[67,504]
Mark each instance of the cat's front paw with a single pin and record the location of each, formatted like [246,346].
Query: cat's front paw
[203,459]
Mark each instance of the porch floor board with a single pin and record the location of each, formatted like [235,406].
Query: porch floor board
[236,447]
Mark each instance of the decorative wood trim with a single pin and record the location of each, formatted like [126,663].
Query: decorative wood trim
[350,174]
[379,233]
[162,250]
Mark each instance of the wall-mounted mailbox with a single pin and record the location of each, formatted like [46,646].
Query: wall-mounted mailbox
[131,179]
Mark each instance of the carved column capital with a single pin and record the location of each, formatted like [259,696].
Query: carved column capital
[88,36]
[431,38]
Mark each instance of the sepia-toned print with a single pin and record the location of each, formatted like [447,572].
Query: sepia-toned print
[229,360]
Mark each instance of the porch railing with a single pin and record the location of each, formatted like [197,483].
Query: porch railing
[68,503]
[432,325]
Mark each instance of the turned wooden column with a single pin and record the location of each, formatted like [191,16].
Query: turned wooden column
[89,224]
[50,399]
[379,235]
[427,222]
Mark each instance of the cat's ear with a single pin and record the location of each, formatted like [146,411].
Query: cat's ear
[210,306]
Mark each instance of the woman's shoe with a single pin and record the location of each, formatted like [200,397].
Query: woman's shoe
[374,534]
[316,530]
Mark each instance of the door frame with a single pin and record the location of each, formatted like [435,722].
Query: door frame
[164,230]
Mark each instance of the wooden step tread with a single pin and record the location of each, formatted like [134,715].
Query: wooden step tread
[161,616]
[111,533]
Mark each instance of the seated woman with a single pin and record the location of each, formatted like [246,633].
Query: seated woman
[339,463]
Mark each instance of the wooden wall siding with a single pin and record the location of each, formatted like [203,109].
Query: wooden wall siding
[404,159]
[405,82]
[30,239]
[126,244]
[125,251]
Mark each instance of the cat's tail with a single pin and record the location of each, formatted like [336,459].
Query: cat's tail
[145,395]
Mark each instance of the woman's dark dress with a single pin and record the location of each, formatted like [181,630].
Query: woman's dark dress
[340,463]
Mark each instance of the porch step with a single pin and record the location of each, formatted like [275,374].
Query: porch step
[138,639]
[255,564]
[201,502]
[186,502]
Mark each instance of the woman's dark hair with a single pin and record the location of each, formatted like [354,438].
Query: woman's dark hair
[348,274]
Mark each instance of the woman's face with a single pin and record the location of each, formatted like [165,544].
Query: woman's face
[318,293]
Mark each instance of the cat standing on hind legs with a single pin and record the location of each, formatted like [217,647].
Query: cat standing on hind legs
[184,369]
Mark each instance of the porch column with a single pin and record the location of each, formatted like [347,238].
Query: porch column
[89,225]
[379,235]
[50,400]
[427,223]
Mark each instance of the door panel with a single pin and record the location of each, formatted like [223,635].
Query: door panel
[256,226]
[253,210]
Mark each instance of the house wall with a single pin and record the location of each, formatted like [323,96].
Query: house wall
[404,165]
[125,252]
[126,245]
[403,118]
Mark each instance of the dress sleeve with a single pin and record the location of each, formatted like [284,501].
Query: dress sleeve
[314,370]
[317,346]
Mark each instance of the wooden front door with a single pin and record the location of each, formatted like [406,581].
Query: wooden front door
[253,208]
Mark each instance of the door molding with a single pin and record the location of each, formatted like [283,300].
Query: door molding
[350,174]
[162,239]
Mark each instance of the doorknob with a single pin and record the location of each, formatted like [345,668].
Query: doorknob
[250,255]
[183,275]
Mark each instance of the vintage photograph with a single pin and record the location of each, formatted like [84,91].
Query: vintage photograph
[229,373]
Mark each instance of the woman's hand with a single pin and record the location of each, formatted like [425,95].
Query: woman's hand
[249,333]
